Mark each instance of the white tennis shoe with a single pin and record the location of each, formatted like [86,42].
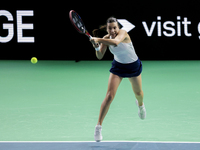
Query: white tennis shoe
[141,110]
[97,133]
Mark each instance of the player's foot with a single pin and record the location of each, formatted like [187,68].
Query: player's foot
[97,134]
[141,110]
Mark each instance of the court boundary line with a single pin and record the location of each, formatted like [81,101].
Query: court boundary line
[99,142]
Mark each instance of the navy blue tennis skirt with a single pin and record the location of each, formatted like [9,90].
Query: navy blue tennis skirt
[126,70]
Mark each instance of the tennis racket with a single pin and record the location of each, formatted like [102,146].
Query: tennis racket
[77,22]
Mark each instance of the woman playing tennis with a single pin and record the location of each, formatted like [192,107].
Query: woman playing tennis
[126,64]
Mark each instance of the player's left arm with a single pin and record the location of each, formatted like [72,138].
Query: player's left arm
[118,39]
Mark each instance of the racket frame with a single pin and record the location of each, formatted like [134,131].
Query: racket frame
[83,26]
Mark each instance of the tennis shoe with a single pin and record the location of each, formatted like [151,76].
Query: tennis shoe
[141,110]
[97,134]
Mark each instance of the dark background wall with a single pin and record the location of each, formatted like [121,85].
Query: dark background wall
[175,35]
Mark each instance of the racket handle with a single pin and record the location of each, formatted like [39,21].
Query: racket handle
[98,48]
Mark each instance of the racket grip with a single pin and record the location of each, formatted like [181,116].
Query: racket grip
[98,48]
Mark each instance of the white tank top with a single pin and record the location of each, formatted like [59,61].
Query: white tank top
[124,53]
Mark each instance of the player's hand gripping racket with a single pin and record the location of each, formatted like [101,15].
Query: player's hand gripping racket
[79,25]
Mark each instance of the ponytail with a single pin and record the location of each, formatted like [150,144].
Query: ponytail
[97,32]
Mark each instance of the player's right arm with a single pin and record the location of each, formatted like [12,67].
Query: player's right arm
[102,50]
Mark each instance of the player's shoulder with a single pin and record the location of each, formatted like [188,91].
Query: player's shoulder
[123,31]
[106,36]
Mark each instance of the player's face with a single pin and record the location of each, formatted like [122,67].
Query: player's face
[113,29]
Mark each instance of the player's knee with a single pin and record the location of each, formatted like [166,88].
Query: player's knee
[109,97]
[139,93]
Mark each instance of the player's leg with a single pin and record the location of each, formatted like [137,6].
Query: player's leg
[136,83]
[113,84]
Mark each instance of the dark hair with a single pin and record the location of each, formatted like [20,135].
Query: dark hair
[96,32]
[111,20]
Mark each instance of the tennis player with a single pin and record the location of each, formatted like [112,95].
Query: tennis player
[126,64]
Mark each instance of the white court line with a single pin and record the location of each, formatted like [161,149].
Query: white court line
[97,142]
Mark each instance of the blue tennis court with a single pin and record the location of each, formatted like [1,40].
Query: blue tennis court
[98,146]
